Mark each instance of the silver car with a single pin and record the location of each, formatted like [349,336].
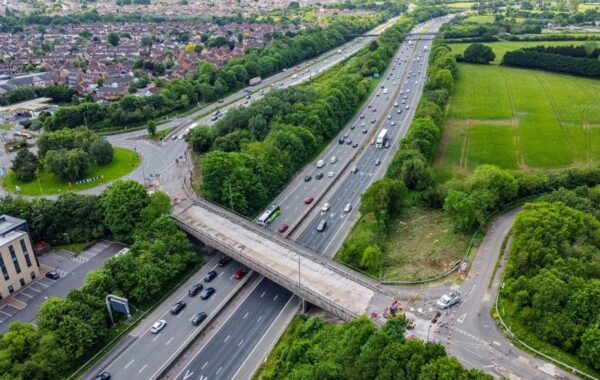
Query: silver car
[447,300]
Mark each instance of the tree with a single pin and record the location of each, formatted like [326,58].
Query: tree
[151,127]
[201,138]
[159,204]
[68,165]
[101,152]
[478,53]
[590,347]
[113,38]
[25,165]
[123,201]
[460,207]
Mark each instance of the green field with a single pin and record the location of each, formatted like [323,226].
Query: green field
[520,119]
[502,47]
[481,19]
[124,161]
[460,5]
[421,244]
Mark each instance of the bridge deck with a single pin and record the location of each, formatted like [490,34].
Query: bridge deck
[277,260]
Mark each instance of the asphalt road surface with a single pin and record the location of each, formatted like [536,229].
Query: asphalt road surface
[217,357]
[148,353]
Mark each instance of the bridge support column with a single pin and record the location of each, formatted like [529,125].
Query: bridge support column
[304,305]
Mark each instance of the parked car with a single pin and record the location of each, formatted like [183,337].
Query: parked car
[239,274]
[158,326]
[177,307]
[210,275]
[206,293]
[308,200]
[283,228]
[448,300]
[198,318]
[195,289]
[53,275]
[224,260]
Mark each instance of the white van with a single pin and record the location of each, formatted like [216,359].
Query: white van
[333,160]
[320,163]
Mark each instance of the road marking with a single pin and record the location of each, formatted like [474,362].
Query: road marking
[34,289]
[240,343]
[497,343]
[180,314]
[128,364]
[220,274]
[262,295]
[474,353]
[275,299]
[219,370]
[259,318]
[26,295]
[187,374]
[226,339]
[169,341]
[3,312]
[205,364]
[245,315]
[154,340]
[461,319]
[143,368]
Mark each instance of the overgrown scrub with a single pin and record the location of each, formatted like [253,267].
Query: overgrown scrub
[409,168]
[313,349]
[69,330]
[553,273]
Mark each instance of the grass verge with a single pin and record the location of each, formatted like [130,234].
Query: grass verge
[160,134]
[124,162]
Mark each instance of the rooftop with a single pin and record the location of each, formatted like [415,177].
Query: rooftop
[8,223]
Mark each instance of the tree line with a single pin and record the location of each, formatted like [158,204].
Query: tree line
[314,349]
[70,330]
[559,60]
[254,151]
[210,83]
[409,169]
[58,94]
[552,275]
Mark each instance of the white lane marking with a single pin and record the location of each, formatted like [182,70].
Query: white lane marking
[3,312]
[245,315]
[240,343]
[461,319]
[143,368]
[226,339]
[262,295]
[187,374]
[180,314]
[154,340]
[259,318]
[205,364]
[497,343]
[128,364]
[219,370]
[275,299]
[26,295]
[474,353]
[220,274]
[169,341]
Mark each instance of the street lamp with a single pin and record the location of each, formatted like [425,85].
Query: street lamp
[68,240]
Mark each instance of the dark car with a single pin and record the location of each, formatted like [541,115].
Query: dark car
[176,309]
[210,275]
[102,376]
[206,293]
[198,318]
[224,261]
[194,290]
[53,275]
[341,141]
[307,178]
[355,145]
[319,176]
[377,162]
[283,228]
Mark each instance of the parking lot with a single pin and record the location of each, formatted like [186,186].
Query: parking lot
[23,305]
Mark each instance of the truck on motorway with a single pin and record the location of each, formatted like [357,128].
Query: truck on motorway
[425,48]
[385,90]
[254,81]
[381,139]
[269,215]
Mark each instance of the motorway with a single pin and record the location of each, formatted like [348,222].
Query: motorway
[146,354]
[292,204]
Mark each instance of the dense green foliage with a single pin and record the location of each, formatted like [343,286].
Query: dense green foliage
[409,168]
[58,94]
[258,148]
[313,349]
[69,330]
[25,165]
[558,59]
[478,53]
[210,83]
[553,272]
[462,28]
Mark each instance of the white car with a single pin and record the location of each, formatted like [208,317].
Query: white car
[158,326]
[448,300]
[348,207]
[330,174]
[325,207]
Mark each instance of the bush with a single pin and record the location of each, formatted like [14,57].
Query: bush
[101,152]
[478,53]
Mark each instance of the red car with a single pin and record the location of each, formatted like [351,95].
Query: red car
[239,274]
[283,228]
[309,200]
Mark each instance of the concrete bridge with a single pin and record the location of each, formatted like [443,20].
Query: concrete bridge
[315,278]
[409,36]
